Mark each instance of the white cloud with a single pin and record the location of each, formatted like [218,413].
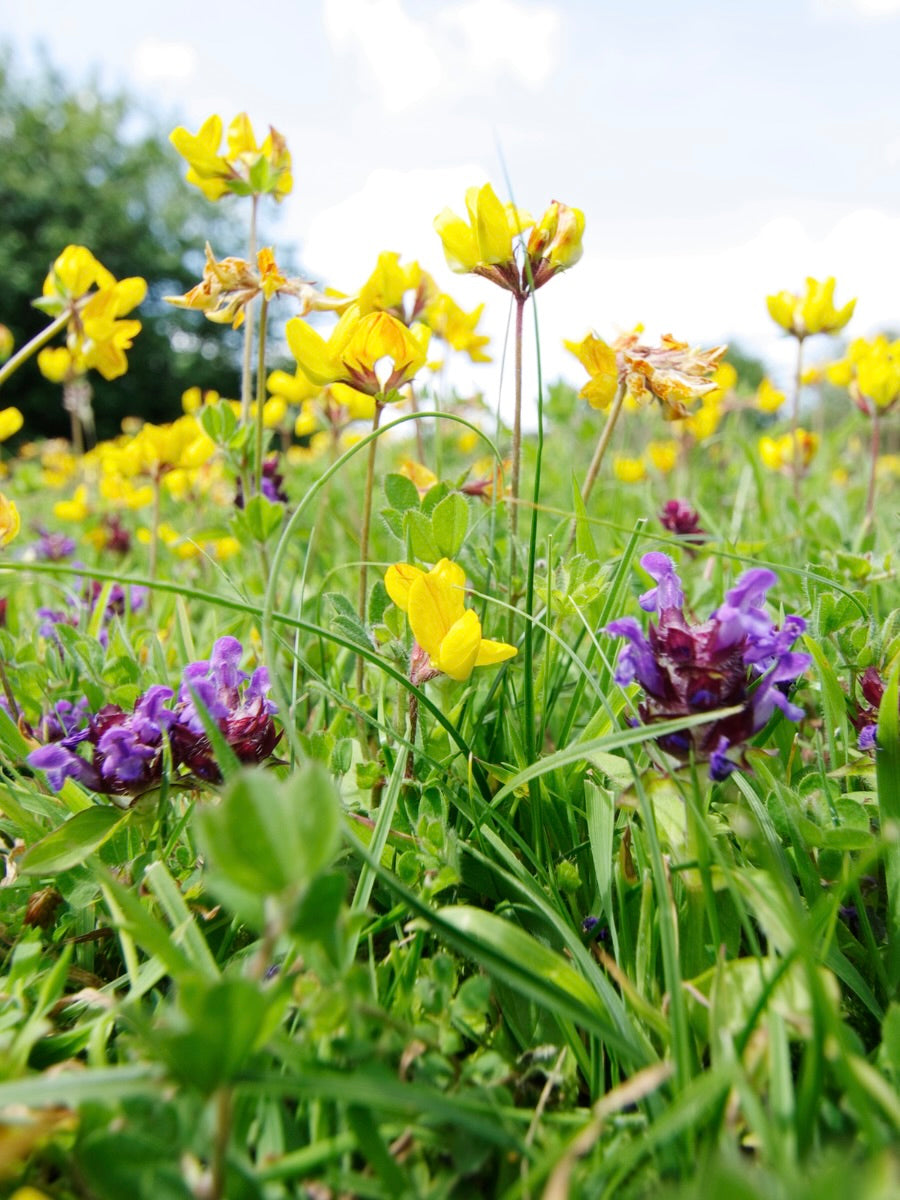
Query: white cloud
[868,9]
[155,61]
[501,35]
[396,49]
[465,49]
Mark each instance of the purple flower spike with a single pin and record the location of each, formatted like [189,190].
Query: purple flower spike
[736,659]
[668,592]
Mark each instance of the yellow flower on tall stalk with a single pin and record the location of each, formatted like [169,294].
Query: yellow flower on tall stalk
[810,312]
[871,370]
[485,245]
[802,316]
[673,373]
[243,167]
[403,290]
[448,635]
[9,520]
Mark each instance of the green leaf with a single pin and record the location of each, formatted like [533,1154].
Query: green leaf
[269,836]
[421,536]
[219,422]
[887,765]
[584,539]
[449,523]
[346,620]
[401,492]
[73,841]
[264,517]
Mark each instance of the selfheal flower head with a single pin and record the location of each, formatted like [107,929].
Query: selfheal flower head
[738,658]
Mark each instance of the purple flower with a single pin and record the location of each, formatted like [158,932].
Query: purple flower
[678,517]
[272,484]
[868,737]
[737,658]
[52,547]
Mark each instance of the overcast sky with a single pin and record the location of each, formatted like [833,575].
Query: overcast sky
[720,151]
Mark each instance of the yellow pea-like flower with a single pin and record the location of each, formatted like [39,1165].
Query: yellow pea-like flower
[10,522]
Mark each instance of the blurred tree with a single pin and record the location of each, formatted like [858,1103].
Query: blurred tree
[76,166]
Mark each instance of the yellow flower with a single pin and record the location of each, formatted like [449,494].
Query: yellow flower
[419,474]
[9,520]
[457,328]
[629,470]
[703,422]
[195,398]
[358,349]
[599,360]
[555,242]
[486,239]
[872,371]
[96,336]
[448,635]
[768,398]
[663,455]
[246,169]
[403,291]
[292,389]
[7,343]
[812,312]
[75,509]
[11,422]
[778,454]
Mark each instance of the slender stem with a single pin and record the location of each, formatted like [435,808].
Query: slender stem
[795,420]
[420,440]
[873,465]
[597,461]
[31,347]
[413,726]
[248,323]
[11,699]
[517,422]
[223,1101]
[364,535]
[260,391]
[154,529]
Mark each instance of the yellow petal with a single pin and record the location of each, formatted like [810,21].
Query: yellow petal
[459,647]
[398,579]
[490,653]
[435,605]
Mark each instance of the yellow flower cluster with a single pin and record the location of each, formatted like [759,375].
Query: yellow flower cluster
[95,301]
[812,312]
[871,370]
[244,169]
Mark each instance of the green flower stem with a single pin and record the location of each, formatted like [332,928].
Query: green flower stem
[796,465]
[364,534]
[260,392]
[39,340]
[873,466]
[517,425]
[597,461]
[154,529]
[246,383]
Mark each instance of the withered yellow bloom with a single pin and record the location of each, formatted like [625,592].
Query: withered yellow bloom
[448,635]
[375,354]
[245,169]
[673,372]
[812,312]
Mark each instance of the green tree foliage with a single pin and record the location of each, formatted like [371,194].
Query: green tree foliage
[76,166]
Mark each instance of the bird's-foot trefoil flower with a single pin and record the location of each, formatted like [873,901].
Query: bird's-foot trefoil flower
[812,312]
[448,635]
[736,658]
[245,168]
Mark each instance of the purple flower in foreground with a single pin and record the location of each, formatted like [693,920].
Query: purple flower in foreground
[121,754]
[738,657]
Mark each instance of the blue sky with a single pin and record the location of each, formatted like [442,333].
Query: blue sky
[719,151]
